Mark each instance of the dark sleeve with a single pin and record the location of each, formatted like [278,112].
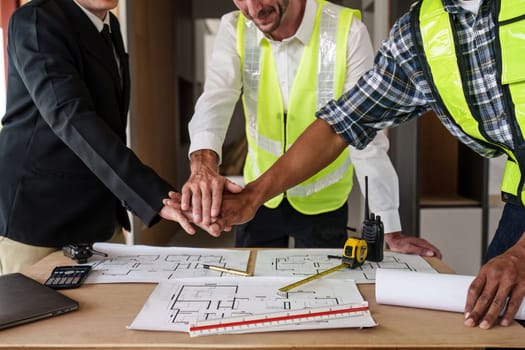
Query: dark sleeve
[47,57]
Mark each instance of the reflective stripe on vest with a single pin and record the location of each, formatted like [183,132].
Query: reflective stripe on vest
[440,52]
[270,132]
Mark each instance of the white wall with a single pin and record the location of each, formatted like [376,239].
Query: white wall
[456,231]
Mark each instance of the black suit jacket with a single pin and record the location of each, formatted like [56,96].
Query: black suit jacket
[65,170]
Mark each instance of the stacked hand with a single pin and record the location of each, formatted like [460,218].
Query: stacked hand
[234,208]
[202,196]
[172,211]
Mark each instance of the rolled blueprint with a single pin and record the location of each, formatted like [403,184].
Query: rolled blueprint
[425,290]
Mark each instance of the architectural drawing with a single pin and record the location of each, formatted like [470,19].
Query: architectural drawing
[306,262]
[137,263]
[175,305]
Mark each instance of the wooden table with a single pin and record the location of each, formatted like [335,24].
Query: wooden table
[106,310]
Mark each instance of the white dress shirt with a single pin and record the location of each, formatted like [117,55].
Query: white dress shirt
[223,86]
[97,22]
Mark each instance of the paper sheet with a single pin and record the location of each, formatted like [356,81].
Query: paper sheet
[172,306]
[152,264]
[422,290]
[302,263]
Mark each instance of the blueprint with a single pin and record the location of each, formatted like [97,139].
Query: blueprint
[151,264]
[306,262]
[174,305]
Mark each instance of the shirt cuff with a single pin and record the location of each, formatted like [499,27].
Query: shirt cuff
[391,220]
[206,140]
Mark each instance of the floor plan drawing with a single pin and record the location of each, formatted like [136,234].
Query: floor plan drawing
[175,305]
[137,263]
[306,262]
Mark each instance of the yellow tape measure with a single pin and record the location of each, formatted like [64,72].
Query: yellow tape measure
[354,254]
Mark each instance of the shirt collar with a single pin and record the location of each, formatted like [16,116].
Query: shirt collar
[453,6]
[304,32]
[97,22]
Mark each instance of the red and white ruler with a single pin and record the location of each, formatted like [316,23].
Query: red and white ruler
[253,322]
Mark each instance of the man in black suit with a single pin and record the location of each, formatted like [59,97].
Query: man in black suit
[66,175]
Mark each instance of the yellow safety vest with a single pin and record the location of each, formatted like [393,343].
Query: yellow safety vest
[440,52]
[270,132]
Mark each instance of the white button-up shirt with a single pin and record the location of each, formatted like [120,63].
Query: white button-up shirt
[223,86]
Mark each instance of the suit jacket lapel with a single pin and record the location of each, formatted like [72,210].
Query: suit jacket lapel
[94,43]
[92,40]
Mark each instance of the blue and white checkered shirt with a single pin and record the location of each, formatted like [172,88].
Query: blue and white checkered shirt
[396,89]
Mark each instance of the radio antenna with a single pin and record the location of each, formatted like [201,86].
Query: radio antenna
[367,210]
[372,231]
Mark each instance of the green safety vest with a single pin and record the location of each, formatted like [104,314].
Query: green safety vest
[270,132]
[444,72]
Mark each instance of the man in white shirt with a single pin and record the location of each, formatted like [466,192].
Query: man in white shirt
[274,40]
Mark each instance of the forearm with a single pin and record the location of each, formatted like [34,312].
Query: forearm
[206,158]
[317,147]
[518,250]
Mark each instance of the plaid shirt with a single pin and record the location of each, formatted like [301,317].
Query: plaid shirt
[396,90]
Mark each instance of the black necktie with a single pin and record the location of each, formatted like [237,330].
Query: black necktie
[107,38]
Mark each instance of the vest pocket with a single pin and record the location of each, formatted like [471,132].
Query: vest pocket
[511,178]
[512,40]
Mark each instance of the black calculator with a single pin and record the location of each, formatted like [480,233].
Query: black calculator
[65,277]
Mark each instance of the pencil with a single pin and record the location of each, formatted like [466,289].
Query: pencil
[226,269]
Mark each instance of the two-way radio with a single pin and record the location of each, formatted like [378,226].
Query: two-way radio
[372,231]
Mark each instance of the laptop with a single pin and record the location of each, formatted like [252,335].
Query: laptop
[24,300]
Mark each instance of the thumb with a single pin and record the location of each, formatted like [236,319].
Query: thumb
[232,187]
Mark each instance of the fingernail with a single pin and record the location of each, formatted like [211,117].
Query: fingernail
[484,325]
[467,315]
[469,322]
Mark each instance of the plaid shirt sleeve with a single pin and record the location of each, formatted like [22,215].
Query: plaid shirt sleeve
[386,96]
[395,90]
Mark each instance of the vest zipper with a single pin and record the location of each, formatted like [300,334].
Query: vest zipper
[284,132]
[284,141]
